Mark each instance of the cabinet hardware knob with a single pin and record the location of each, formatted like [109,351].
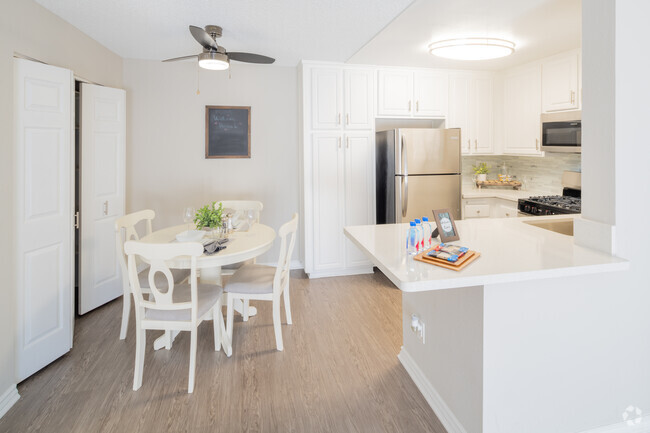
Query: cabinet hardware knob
[573,97]
[339,119]
[347,142]
[417,105]
[537,144]
[409,105]
[347,119]
[339,142]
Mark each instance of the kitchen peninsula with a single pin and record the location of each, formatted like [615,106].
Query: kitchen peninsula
[506,339]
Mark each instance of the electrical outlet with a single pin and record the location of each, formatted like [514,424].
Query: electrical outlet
[418,327]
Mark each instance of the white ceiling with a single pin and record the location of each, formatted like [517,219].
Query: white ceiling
[288,30]
[539,28]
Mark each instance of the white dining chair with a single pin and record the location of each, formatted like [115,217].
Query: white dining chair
[240,206]
[178,307]
[266,283]
[125,231]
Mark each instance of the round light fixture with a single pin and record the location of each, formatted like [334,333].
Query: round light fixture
[472,48]
[214,61]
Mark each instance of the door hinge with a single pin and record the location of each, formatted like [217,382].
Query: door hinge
[76,220]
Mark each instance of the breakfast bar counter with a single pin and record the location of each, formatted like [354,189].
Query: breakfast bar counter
[509,344]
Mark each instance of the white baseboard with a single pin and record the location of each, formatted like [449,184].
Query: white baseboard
[640,424]
[8,399]
[444,414]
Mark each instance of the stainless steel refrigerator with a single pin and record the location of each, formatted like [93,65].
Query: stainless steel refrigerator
[417,170]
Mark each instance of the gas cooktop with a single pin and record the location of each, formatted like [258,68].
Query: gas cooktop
[549,205]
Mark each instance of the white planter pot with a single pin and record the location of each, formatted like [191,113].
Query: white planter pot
[481,177]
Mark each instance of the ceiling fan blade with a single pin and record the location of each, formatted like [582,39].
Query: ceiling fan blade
[194,56]
[203,38]
[250,58]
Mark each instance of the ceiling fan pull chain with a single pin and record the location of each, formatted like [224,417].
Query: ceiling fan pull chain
[198,80]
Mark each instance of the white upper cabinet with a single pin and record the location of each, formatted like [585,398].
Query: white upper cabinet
[459,107]
[341,99]
[407,93]
[359,97]
[326,98]
[470,109]
[482,121]
[431,93]
[560,83]
[522,110]
[394,93]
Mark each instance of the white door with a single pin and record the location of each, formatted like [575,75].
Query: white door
[431,94]
[459,108]
[560,83]
[102,191]
[394,92]
[482,119]
[358,86]
[326,98]
[359,190]
[44,210]
[328,201]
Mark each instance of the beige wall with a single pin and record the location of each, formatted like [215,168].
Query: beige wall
[28,29]
[166,168]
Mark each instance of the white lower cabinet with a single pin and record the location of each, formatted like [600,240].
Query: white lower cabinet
[343,194]
[489,208]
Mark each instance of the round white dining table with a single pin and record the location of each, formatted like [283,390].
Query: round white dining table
[242,246]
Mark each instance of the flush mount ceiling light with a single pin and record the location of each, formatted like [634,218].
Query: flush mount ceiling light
[214,61]
[472,48]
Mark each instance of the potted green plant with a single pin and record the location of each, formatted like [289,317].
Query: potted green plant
[481,171]
[209,216]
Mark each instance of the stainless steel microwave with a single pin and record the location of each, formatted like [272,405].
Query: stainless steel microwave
[562,132]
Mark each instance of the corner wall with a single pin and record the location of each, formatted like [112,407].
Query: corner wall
[31,30]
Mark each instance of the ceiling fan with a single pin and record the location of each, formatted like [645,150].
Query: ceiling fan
[214,56]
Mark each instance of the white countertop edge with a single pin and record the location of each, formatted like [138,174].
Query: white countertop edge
[482,280]
[504,194]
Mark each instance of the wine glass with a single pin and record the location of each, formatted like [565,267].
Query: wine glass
[250,216]
[188,216]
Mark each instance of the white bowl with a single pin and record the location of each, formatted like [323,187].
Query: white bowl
[190,236]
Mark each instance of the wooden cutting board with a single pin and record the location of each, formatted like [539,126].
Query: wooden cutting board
[467,258]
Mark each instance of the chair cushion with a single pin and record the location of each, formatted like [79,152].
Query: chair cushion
[252,279]
[208,295]
[159,279]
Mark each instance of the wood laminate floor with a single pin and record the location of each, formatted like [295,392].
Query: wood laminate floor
[339,372]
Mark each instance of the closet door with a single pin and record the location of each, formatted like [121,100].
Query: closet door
[102,192]
[44,208]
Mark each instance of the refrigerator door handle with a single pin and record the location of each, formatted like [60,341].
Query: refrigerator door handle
[405,195]
[405,170]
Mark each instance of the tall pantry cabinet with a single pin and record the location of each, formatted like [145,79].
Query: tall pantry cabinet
[337,157]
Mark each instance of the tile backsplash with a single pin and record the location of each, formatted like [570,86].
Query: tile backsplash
[540,174]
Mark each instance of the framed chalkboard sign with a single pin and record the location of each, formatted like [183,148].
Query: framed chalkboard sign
[227,132]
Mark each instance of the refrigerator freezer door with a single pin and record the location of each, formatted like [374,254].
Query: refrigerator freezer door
[417,196]
[427,151]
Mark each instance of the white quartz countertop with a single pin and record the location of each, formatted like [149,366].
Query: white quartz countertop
[511,250]
[505,194]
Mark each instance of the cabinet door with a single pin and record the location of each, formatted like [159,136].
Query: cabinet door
[522,110]
[560,84]
[459,105]
[394,93]
[359,190]
[328,197]
[506,210]
[481,115]
[431,92]
[358,86]
[326,98]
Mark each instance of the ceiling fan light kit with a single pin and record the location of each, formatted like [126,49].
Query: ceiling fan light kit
[214,61]
[215,57]
[472,48]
